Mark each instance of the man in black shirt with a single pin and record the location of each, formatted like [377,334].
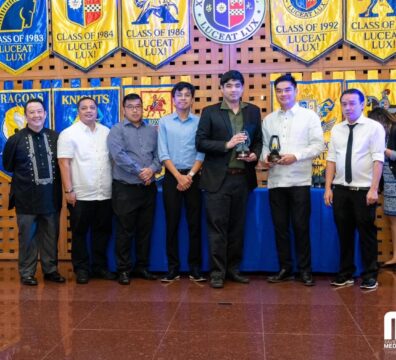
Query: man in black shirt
[35,193]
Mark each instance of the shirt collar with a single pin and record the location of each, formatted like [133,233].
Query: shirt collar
[175,116]
[361,120]
[224,105]
[126,122]
[86,127]
[293,110]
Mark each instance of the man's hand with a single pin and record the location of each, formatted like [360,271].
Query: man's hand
[71,198]
[372,196]
[235,140]
[252,157]
[184,182]
[328,197]
[287,159]
[146,174]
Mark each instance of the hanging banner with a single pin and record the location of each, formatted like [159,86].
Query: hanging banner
[84,32]
[155,32]
[228,21]
[12,115]
[306,29]
[321,96]
[23,34]
[157,100]
[370,25]
[65,101]
[378,93]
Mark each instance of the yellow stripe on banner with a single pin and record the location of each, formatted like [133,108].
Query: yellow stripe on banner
[338,75]
[372,75]
[145,80]
[186,78]
[274,76]
[165,80]
[317,75]
[297,76]
[350,75]
[126,81]
[392,74]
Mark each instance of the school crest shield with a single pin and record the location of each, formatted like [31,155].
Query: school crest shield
[229,13]
[84,12]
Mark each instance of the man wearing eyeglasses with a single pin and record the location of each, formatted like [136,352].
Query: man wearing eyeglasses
[133,148]
[300,137]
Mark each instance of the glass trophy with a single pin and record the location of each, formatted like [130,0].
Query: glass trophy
[274,148]
[242,149]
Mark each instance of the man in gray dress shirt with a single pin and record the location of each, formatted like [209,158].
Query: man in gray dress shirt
[133,147]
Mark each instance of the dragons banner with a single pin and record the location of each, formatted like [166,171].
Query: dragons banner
[65,105]
[84,32]
[370,25]
[155,31]
[12,114]
[321,96]
[23,34]
[306,29]
[379,93]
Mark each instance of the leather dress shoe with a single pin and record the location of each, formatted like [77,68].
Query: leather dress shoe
[82,277]
[54,277]
[104,274]
[145,274]
[306,278]
[216,282]
[237,277]
[29,280]
[124,278]
[283,275]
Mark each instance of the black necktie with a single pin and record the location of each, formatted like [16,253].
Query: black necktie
[348,157]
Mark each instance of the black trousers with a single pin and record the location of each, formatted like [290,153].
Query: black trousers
[351,212]
[292,204]
[96,216]
[226,210]
[134,207]
[173,202]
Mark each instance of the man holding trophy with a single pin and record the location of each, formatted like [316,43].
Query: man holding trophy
[292,137]
[229,134]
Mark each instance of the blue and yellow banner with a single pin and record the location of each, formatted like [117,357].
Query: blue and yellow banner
[155,32]
[157,100]
[23,34]
[65,101]
[306,29]
[321,96]
[12,114]
[84,32]
[378,93]
[370,25]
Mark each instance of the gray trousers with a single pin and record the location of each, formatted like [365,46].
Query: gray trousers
[38,234]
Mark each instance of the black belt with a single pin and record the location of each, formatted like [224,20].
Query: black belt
[236,171]
[351,188]
[127,184]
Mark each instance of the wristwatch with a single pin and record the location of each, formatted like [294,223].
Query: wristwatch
[191,173]
[68,191]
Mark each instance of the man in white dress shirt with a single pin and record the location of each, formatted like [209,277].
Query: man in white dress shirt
[301,139]
[353,172]
[85,167]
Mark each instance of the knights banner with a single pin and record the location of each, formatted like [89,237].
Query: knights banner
[23,34]
[84,32]
[378,93]
[12,114]
[155,32]
[65,101]
[306,29]
[321,96]
[370,26]
[157,100]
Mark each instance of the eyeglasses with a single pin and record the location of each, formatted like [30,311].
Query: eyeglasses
[132,107]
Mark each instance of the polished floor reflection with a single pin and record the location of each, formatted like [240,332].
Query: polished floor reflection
[186,320]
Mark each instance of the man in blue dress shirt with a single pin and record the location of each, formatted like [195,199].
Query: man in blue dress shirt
[176,148]
[133,147]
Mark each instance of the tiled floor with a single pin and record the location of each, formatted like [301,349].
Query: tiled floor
[185,320]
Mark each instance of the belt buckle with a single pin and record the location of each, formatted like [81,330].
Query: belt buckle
[353,188]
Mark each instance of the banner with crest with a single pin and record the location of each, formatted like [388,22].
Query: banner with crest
[321,96]
[84,32]
[370,25]
[64,102]
[378,93]
[306,29]
[12,114]
[157,100]
[154,31]
[23,34]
